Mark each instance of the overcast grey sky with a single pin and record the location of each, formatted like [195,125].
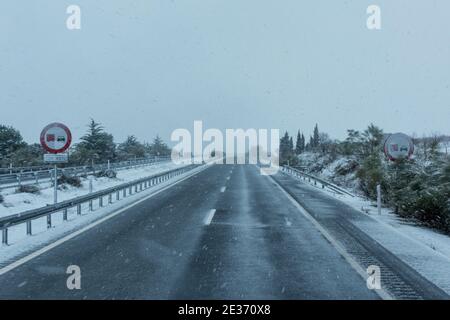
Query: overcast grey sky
[144,66]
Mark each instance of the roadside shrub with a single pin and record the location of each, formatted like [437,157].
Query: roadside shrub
[106,173]
[29,188]
[371,174]
[70,180]
[430,208]
[346,168]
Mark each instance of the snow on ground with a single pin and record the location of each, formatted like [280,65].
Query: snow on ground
[21,244]
[19,202]
[338,171]
[424,249]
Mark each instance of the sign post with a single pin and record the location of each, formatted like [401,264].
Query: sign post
[379,198]
[56,139]
[55,185]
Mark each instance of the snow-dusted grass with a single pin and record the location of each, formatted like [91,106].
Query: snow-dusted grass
[19,202]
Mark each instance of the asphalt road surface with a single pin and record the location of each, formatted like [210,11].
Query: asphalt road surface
[225,233]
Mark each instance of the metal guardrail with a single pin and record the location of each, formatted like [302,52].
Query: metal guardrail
[15,180]
[315,180]
[119,191]
[16,170]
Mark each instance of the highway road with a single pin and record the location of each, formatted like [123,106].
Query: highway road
[225,233]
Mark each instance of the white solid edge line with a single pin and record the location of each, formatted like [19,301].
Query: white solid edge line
[90,226]
[210,216]
[381,292]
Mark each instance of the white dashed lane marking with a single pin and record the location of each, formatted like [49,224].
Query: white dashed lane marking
[210,216]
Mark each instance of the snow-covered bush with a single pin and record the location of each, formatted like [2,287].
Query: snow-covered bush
[346,167]
[106,173]
[70,180]
[28,188]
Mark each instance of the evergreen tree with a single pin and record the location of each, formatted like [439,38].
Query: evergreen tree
[287,152]
[316,137]
[10,141]
[298,144]
[303,143]
[285,148]
[131,148]
[158,148]
[28,155]
[371,173]
[373,138]
[352,144]
[95,146]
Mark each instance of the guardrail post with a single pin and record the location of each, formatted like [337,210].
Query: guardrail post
[29,232]
[79,209]
[65,214]
[100,201]
[117,195]
[110,198]
[5,236]
[136,188]
[90,205]
[124,192]
[36,177]
[49,221]
[19,180]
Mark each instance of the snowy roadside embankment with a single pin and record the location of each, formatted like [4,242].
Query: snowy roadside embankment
[14,203]
[339,170]
[425,250]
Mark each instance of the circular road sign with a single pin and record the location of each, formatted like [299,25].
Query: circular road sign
[398,146]
[56,138]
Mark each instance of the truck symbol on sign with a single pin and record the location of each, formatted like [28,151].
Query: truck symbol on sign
[50,137]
